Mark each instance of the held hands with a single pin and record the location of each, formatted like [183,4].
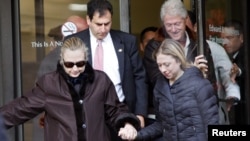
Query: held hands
[128,132]
[201,63]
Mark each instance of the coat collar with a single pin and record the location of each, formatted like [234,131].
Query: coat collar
[88,73]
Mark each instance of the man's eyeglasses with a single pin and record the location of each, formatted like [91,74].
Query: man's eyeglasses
[71,64]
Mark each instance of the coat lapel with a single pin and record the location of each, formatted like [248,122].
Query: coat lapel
[119,49]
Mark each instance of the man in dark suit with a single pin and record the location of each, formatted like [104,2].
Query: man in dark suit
[233,43]
[121,59]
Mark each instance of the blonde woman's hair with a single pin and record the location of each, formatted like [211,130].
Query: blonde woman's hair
[173,8]
[174,49]
[73,43]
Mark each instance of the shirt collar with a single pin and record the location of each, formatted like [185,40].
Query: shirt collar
[93,38]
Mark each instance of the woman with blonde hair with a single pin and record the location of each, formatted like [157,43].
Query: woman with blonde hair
[185,103]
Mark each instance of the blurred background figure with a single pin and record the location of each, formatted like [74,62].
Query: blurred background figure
[218,52]
[80,22]
[55,33]
[191,20]
[147,34]
[225,86]
[233,43]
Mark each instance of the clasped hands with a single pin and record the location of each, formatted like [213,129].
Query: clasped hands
[128,132]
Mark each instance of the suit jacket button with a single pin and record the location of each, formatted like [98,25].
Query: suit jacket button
[84,126]
[81,101]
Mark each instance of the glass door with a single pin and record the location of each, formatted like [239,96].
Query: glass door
[226,24]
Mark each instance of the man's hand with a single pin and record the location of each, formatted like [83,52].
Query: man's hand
[41,121]
[201,63]
[230,101]
[235,70]
[142,121]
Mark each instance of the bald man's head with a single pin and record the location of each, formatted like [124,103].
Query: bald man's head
[80,22]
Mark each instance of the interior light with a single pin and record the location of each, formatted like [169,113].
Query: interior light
[78,7]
